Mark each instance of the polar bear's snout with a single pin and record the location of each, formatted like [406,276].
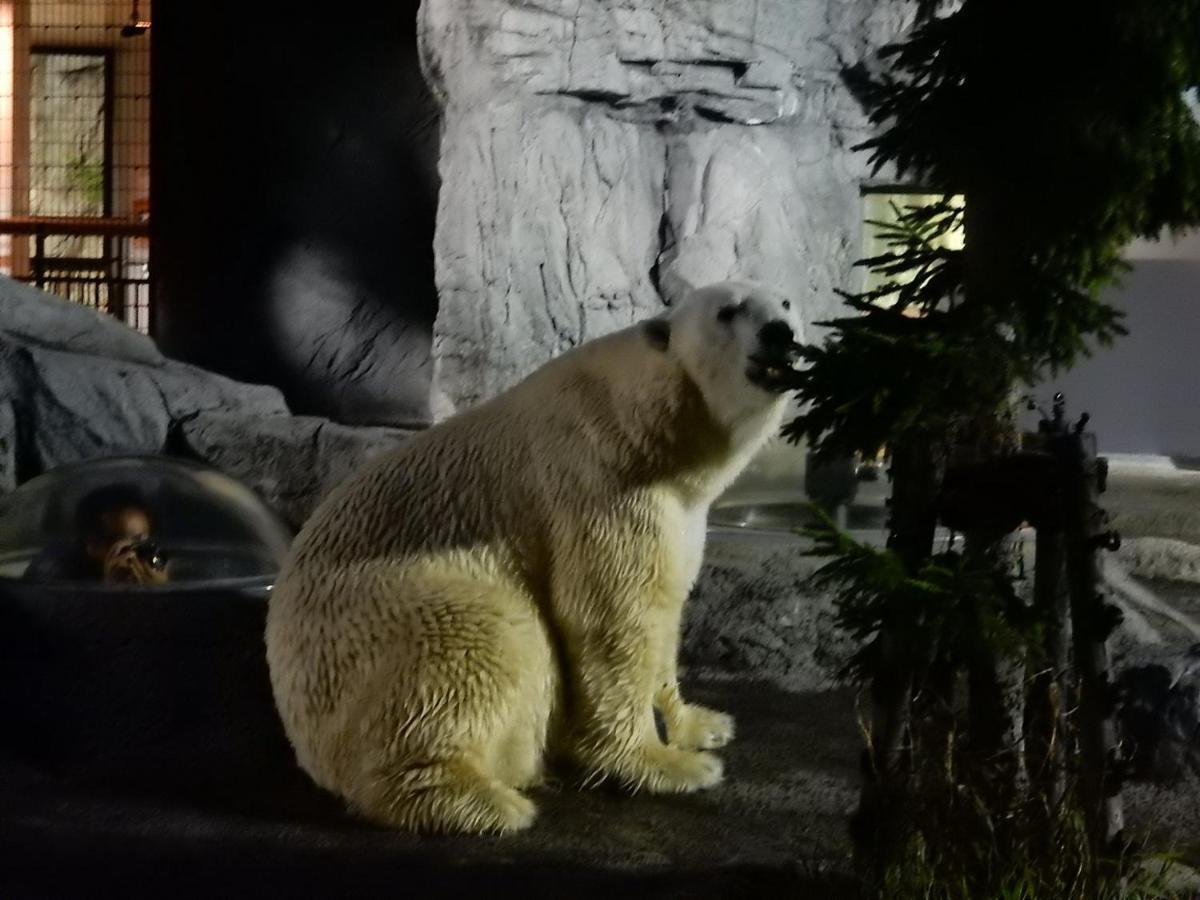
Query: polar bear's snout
[777,352]
[776,338]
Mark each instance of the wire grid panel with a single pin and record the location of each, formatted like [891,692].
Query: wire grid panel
[75,141]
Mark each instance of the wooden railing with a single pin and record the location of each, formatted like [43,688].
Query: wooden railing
[115,280]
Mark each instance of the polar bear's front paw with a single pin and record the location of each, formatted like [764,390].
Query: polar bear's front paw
[510,810]
[700,728]
[670,770]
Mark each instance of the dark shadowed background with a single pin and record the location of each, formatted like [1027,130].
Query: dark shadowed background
[294,198]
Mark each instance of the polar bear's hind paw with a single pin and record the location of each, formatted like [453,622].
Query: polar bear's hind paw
[670,770]
[701,728]
[470,807]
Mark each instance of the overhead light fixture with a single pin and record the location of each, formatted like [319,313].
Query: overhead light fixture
[137,25]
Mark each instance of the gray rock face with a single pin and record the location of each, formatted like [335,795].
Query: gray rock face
[547,236]
[752,615]
[187,390]
[75,385]
[8,447]
[1159,719]
[600,158]
[1156,653]
[27,317]
[74,406]
[291,461]
[349,349]
[79,384]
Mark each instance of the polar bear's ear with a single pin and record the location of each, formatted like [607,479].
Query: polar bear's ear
[658,333]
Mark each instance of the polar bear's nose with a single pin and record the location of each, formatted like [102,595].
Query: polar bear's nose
[776,336]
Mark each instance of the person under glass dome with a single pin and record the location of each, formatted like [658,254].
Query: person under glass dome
[112,542]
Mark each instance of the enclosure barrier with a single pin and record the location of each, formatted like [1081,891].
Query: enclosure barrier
[101,262]
[1053,484]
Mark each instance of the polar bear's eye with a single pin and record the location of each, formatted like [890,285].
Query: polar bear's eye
[787,304]
[727,313]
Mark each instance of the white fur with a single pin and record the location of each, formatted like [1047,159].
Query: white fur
[508,585]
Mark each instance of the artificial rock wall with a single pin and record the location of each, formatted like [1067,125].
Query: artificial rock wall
[76,384]
[598,157]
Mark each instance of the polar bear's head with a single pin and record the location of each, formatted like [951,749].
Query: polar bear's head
[732,339]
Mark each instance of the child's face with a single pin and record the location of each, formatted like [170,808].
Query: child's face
[128,524]
[117,548]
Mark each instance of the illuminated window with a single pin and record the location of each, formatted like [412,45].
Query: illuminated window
[884,207]
[69,132]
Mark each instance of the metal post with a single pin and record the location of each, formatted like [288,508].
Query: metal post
[1045,734]
[113,286]
[39,259]
[1091,622]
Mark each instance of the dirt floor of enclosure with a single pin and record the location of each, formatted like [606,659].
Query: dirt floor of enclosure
[776,826]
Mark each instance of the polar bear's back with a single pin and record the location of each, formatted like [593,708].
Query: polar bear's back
[442,488]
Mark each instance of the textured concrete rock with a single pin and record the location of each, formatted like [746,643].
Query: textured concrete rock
[8,447]
[81,384]
[752,615]
[99,392]
[347,343]
[779,205]
[291,461]
[1155,557]
[751,62]
[1160,719]
[68,406]
[73,406]
[598,158]
[187,390]
[547,236]
[1156,656]
[26,315]
[1155,579]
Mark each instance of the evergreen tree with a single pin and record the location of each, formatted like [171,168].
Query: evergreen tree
[1066,127]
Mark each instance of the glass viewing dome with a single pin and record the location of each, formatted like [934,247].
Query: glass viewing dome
[140,521]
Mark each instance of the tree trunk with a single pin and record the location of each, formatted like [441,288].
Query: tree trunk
[1090,625]
[916,470]
[1044,732]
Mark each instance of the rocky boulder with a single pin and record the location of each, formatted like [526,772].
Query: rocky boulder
[1156,654]
[25,316]
[1160,719]
[291,461]
[754,614]
[76,384]
[80,384]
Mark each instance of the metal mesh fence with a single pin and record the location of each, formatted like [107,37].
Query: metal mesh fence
[75,150]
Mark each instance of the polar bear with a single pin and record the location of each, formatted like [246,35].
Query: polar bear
[507,586]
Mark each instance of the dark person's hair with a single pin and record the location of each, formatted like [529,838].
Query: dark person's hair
[95,505]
